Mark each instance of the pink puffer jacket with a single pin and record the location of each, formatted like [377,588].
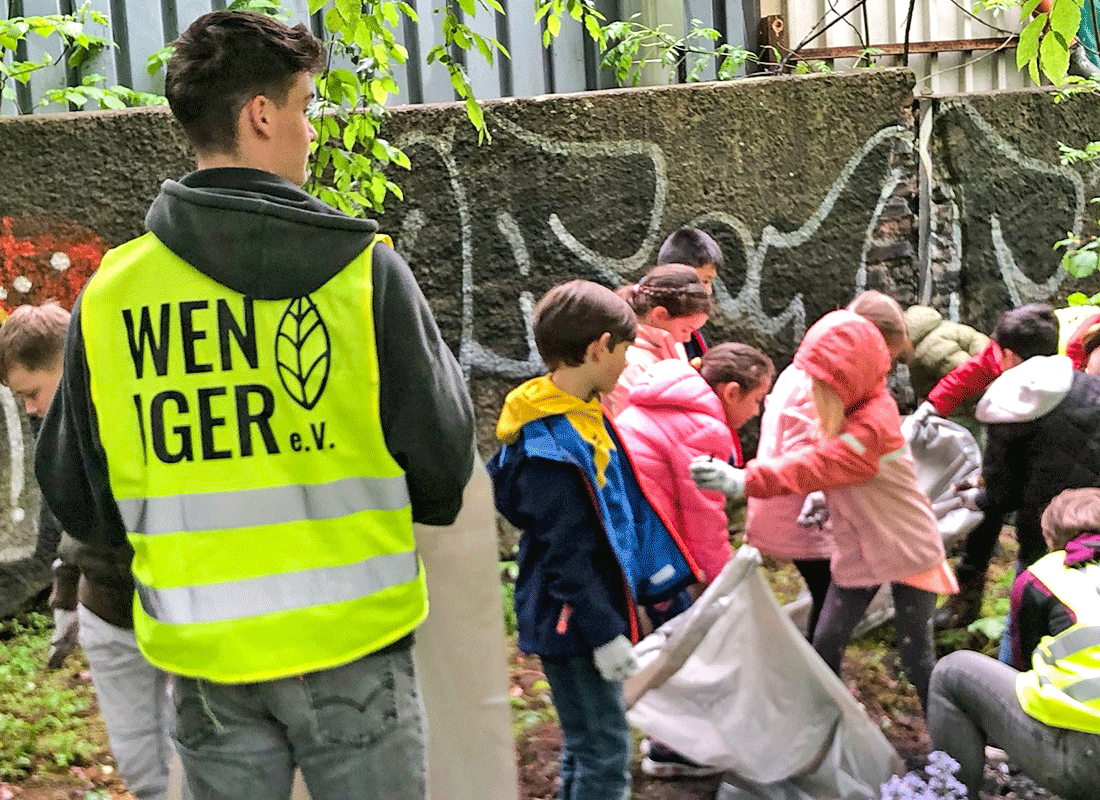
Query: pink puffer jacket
[650,346]
[788,423]
[882,522]
[674,416]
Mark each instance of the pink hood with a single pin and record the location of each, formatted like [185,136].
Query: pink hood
[674,416]
[882,523]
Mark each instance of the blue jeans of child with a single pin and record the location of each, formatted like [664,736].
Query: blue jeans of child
[595,758]
[357,732]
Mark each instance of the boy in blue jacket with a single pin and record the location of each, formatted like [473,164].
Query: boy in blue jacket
[592,545]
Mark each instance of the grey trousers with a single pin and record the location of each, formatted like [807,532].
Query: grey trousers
[357,732]
[972,702]
[135,702]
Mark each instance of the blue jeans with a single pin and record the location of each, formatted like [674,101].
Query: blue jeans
[356,731]
[595,758]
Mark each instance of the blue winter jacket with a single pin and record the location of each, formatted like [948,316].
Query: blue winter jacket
[588,554]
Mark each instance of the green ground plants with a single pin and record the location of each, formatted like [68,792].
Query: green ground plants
[46,716]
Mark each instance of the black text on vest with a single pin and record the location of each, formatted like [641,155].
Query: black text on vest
[200,423]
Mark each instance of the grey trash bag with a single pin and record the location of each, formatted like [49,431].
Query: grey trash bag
[732,683]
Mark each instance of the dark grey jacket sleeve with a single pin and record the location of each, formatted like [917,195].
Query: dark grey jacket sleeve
[427,415]
[69,460]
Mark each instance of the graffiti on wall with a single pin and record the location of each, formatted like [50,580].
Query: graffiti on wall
[45,259]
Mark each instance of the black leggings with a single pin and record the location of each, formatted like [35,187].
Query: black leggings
[818,577]
[913,609]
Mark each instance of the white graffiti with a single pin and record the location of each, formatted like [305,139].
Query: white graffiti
[747,305]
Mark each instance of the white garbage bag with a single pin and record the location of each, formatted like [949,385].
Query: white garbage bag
[732,683]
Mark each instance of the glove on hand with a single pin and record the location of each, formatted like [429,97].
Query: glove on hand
[922,431]
[924,411]
[615,660]
[710,473]
[65,627]
[969,492]
[815,511]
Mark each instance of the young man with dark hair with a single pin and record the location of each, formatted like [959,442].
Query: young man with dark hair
[257,398]
[694,248]
[592,545]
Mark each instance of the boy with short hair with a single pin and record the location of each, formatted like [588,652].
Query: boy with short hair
[695,248]
[1018,456]
[92,594]
[592,547]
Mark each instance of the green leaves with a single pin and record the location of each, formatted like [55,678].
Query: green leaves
[1045,40]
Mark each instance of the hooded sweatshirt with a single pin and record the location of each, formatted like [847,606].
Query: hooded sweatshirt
[260,235]
[651,344]
[882,523]
[593,545]
[674,416]
[1043,438]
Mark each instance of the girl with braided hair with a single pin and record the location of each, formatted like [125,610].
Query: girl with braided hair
[671,302]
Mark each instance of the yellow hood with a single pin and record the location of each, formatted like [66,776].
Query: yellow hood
[538,398]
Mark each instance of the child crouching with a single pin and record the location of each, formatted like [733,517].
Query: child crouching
[592,546]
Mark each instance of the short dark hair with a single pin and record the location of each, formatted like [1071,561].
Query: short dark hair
[1027,331]
[33,338]
[734,362]
[674,287]
[690,246]
[223,60]
[572,315]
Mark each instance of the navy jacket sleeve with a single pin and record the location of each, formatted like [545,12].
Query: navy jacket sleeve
[69,460]
[427,414]
[576,561]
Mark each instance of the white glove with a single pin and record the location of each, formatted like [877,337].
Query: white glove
[923,412]
[65,627]
[815,511]
[710,473]
[615,660]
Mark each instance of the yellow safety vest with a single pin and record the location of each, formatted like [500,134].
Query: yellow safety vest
[271,527]
[1063,687]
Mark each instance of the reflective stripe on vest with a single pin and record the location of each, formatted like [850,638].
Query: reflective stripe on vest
[271,593]
[1062,689]
[271,526]
[251,507]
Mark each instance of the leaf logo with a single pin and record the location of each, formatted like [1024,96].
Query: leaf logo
[303,352]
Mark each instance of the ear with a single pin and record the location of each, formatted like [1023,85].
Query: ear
[255,117]
[659,314]
[599,347]
[731,392]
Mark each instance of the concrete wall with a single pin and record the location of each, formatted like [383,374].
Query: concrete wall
[811,184]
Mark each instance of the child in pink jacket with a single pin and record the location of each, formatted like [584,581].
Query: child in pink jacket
[775,525]
[677,413]
[883,524]
[671,302]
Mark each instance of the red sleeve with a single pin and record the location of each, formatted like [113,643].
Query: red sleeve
[966,380]
[1074,349]
[846,460]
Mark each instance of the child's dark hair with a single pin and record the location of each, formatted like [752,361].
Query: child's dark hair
[572,315]
[733,362]
[226,58]
[674,287]
[692,247]
[1027,331]
[33,338]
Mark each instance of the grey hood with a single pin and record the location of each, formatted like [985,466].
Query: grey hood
[254,232]
[1028,391]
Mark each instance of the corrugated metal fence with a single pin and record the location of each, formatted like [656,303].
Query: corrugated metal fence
[883,23]
[141,27]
